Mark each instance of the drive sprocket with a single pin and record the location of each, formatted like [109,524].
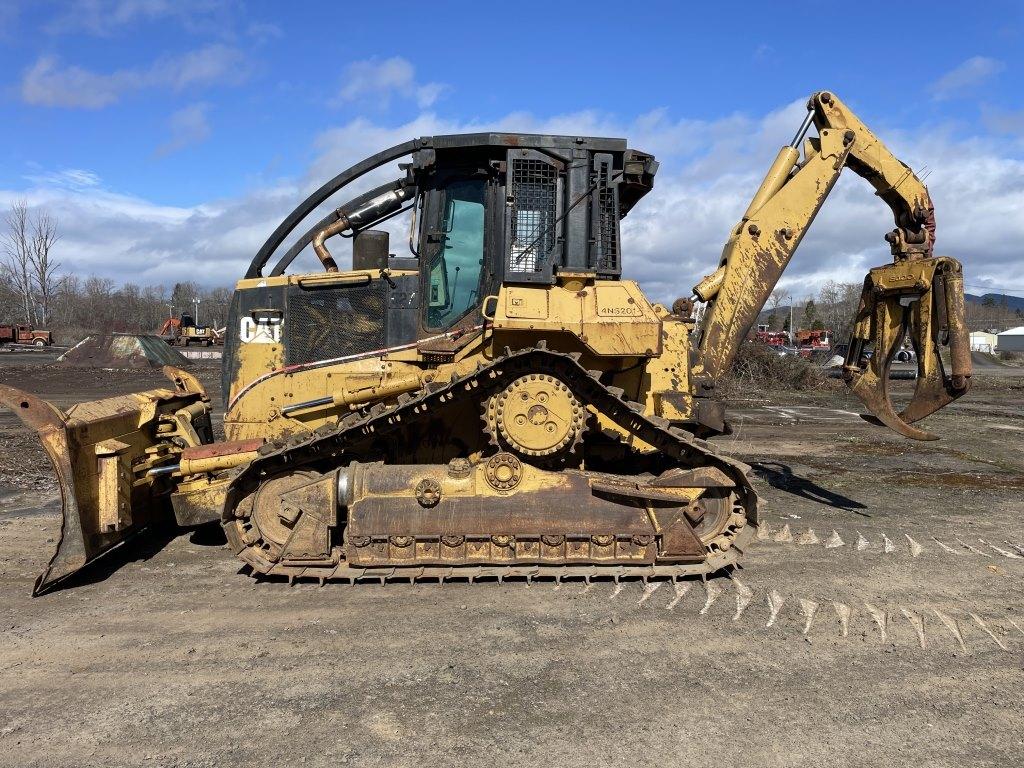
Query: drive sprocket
[536,415]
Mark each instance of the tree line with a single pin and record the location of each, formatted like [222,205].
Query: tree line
[833,308]
[34,289]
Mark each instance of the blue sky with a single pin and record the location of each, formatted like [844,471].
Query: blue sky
[170,136]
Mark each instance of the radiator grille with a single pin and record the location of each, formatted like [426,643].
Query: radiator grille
[533,185]
[326,323]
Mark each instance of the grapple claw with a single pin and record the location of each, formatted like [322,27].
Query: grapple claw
[923,299]
[873,391]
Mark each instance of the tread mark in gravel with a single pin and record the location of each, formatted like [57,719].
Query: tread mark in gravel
[680,588]
[915,548]
[744,595]
[650,588]
[834,541]
[775,603]
[810,537]
[917,622]
[987,631]
[954,629]
[880,619]
[713,591]
[808,608]
[843,613]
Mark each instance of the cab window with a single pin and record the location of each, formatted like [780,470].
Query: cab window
[453,276]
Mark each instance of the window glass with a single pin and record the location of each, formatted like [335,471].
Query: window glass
[453,286]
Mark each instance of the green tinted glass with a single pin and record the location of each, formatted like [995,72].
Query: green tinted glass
[454,285]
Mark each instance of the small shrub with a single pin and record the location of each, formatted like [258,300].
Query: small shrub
[757,365]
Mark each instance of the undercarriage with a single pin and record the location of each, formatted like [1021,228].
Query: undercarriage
[640,497]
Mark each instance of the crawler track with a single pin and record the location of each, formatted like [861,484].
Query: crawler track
[356,435]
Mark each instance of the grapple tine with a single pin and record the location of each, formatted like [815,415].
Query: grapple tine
[871,384]
[944,315]
[924,297]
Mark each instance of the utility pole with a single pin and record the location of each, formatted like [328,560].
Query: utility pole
[196,318]
[791,334]
[170,311]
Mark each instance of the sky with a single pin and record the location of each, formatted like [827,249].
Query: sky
[170,137]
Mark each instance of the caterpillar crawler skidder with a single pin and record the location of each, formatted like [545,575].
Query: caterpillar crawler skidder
[500,402]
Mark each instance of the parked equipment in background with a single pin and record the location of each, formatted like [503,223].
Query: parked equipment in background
[814,340]
[23,333]
[184,332]
[500,402]
[771,338]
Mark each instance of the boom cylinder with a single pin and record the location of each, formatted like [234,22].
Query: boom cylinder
[777,175]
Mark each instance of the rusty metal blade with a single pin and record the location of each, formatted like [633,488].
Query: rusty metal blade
[873,390]
[932,393]
[48,422]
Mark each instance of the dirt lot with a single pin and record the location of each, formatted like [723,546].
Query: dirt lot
[169,656]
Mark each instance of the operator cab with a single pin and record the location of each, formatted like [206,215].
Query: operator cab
[482,209]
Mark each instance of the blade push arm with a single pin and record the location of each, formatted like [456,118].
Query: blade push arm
[761,245]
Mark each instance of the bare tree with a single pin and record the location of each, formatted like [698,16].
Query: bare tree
[774,300]
[28,264]
[44,268]
[17,264]
[837,304]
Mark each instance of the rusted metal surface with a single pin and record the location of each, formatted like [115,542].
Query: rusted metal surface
[101,452]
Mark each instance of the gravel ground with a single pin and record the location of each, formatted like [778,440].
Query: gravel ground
[168,655]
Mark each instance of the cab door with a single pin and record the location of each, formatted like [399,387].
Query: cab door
[456,271]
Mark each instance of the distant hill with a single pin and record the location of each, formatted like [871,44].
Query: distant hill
[1013,302]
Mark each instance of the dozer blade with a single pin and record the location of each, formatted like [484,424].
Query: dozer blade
[923,299]
[102,452]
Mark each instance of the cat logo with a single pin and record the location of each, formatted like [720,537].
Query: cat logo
[266,330]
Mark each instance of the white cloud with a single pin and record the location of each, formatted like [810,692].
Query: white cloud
[960,80]
[710,170]
[378,80]
[262,31]
[66,178]
[107,17]
[49,84]
[188,126]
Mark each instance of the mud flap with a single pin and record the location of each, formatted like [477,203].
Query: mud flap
[102,452]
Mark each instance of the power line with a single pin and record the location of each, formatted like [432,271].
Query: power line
[993,288]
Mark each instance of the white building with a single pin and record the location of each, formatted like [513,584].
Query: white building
[1011,340]
[982,341]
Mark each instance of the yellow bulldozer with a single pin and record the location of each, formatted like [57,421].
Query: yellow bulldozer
[500,402]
